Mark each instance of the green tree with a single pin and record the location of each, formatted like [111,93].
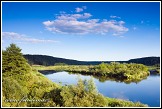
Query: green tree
[103,68]
[13,61]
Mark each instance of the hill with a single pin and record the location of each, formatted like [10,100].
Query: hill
[49,60]
[146,60]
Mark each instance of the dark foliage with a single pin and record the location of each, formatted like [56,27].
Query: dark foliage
[146,61]
[49,60]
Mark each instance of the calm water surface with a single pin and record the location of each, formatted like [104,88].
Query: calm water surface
[147,91]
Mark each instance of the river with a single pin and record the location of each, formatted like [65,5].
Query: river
[146,91]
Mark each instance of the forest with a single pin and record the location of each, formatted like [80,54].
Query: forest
[50,60]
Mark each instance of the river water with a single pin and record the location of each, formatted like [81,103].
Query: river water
[146,91]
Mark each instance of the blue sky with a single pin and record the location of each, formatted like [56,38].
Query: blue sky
[86,31]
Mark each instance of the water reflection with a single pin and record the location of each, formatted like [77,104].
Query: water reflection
[146,91]
[100,78]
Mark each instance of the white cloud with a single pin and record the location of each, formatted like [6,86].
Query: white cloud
[83,24]
[80,9]
[24,38]
[68,17]
[48,23]
[115,17]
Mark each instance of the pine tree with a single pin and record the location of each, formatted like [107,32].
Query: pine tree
[13,61]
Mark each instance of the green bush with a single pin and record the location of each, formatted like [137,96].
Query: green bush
[12,90]
[81,95]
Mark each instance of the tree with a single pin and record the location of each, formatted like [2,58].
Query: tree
[13,61]
[103,68]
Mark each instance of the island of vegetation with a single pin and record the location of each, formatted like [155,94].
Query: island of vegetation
[23,86]
[120,72]
[153,63]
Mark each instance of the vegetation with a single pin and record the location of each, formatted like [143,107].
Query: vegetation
[23,86]
[49,60]
[155,69]
[150,61]
[114,71]
[84,94]
[130,72]
[60,64]
[112,102]
[13,62]
[19,81]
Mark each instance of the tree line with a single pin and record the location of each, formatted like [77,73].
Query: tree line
[49,60]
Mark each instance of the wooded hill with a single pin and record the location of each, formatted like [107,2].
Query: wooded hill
[49,60]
